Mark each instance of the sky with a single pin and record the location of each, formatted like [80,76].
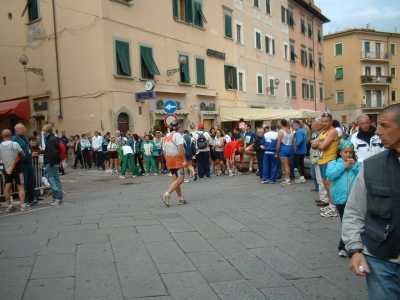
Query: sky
[384,15]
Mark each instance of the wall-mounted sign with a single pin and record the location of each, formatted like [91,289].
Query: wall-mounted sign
[205,107]
[216,54]
[40,106]
[160,105]
[145,96]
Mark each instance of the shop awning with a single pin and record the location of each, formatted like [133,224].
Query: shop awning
[232,114]
[20,108]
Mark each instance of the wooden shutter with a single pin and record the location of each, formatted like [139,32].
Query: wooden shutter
[200,71]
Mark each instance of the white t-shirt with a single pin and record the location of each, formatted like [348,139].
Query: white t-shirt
[339,131]
[127,149]
[227,138]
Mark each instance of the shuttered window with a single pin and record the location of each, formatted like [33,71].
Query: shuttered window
[303,27]
[340,97]
[338,49]
[123,58]
[259,84]
[272,87]
[200,72]
[185,75]
[294,89]
[268,6]
[228,26]
[293,54]
[287,89]
[32,7]
[339,73]
[183,10]
[258,40]
[148,65]
[198,16]
[230,77]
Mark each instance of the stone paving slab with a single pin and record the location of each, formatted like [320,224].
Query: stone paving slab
[192,242]
[237,290]
[284,293]
[93,253]
[188,285]
[97,281]
[176,224]
[62,265]
[50,288]
[214,267]
[168,257]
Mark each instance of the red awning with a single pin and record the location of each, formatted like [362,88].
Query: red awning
[21,108]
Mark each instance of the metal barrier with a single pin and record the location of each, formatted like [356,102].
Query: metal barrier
[40,178]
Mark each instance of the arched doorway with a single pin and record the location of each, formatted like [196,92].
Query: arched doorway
[123,122]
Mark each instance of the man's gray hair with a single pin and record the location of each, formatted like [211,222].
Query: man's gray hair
[362,116]
[6,133]
[48,128]
[318,120]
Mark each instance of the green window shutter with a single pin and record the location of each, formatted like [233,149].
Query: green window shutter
[256,3]
[366,47]
[283,11]
[258,40]
[259,85]
[200,71]
[226,71]
[291,19]
[33,10]
[175,9]
[147,55]
[393,49]
[189,11]
[228,26]
[271,86]
[340,97]
[319,36]
[268,4]
[123,56]
[287,89]
[303,27]
[185,69]
[294,94]
[196,15]
[267,44]
[310,31]
[339,73]
[200,12]
[273,47]
[234,78]
[338,49]
[311,92]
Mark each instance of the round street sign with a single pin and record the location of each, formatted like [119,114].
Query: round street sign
[170,106]
[170,118]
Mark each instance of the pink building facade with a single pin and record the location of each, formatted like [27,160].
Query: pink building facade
[305,25]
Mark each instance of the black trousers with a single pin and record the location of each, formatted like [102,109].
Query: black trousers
[78,156]
[86,157]
[300,163]
[340,209]
[98,158]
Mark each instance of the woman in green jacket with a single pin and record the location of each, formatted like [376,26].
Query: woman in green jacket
[149,151]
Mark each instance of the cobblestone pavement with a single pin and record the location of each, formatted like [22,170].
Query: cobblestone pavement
[115,239]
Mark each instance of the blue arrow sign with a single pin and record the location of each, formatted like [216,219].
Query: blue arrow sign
[170,106]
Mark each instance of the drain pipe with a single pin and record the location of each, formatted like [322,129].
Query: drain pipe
[57,66]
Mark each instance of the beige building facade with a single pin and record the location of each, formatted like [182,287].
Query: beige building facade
[361,72]
[88,75]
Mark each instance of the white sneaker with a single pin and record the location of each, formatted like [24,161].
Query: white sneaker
[122,177]
[134,176]
[170,174]
[299,180]
[187,180]
[342,253]
[155,174]
[231,174]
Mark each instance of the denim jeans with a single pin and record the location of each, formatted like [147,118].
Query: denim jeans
[384,280]
[314,176]
[54,180]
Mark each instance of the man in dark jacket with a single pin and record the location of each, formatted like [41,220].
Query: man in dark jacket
[52,160]
[26,162]
[259,152]
[189,144]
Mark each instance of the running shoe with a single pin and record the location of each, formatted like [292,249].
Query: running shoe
[330,213]
[165,199]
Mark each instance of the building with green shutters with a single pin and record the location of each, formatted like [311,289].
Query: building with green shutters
[361,72]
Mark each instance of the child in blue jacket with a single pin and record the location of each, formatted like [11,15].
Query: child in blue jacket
[342,173]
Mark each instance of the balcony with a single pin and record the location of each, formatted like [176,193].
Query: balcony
[376,56]
[375,80]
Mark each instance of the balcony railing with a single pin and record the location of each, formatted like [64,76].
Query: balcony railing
[365,79]
[376,55]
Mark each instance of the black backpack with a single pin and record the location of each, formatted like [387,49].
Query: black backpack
[201,141]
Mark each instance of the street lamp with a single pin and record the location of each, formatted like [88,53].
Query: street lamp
[182,61]
[23,59]
[277,82]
